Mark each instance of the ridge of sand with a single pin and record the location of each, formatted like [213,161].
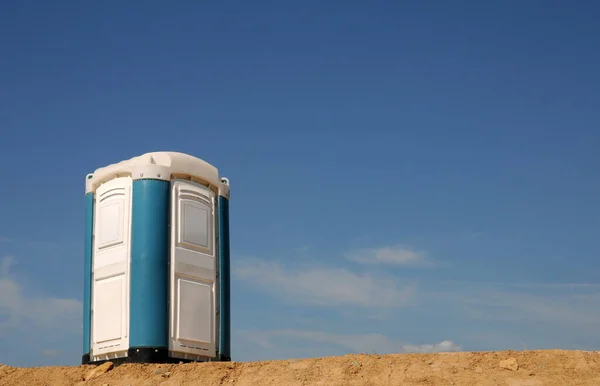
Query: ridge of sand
[514,368]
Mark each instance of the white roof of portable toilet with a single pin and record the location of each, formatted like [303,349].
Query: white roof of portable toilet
[159,165]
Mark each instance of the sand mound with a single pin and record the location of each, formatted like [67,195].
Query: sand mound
[552,367]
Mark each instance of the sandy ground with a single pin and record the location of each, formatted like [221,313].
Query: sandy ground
[525,368]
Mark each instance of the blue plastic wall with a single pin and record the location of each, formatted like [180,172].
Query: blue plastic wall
[87,271]
[149,314]
[224,284]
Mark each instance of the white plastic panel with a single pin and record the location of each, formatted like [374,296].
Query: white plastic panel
[193,292]
[195,233]
[195,311]
[110,274]
[110,228]
[112,327]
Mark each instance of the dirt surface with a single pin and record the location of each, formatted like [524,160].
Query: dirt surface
[524,368]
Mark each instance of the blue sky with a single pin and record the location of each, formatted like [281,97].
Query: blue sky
[405,176]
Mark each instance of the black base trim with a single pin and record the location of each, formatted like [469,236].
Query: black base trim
[150,355]
[143,355]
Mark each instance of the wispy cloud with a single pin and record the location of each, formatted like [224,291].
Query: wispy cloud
[304,248]
[471,235]
[357,343]
[18,307]
[572,308]
[51,353]
[509,315]
[570,305]
[62,246]
[394,255]
[323,286]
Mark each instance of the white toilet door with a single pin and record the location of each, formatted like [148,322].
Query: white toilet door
[110,288]
[193,297]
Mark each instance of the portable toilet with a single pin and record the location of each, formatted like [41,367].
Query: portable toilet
[156,285]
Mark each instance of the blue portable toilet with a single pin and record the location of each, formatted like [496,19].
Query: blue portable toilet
[156,284]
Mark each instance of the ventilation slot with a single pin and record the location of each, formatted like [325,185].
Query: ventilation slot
[109,346]
[193,347]
[112,193]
